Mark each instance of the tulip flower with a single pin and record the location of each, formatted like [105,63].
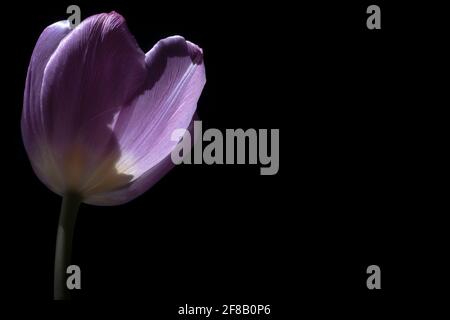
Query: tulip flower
[98,115]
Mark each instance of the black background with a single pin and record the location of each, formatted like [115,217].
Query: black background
[347,102]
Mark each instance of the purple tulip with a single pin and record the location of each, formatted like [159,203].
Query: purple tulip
[99,113]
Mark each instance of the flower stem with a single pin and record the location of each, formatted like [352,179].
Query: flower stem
[66,224]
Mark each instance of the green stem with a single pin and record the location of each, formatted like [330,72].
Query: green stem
[67,217]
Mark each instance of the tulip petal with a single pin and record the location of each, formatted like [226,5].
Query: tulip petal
[144,128]
[133,189]
[138,186]
[94,71]
[92,74]
[33,119]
